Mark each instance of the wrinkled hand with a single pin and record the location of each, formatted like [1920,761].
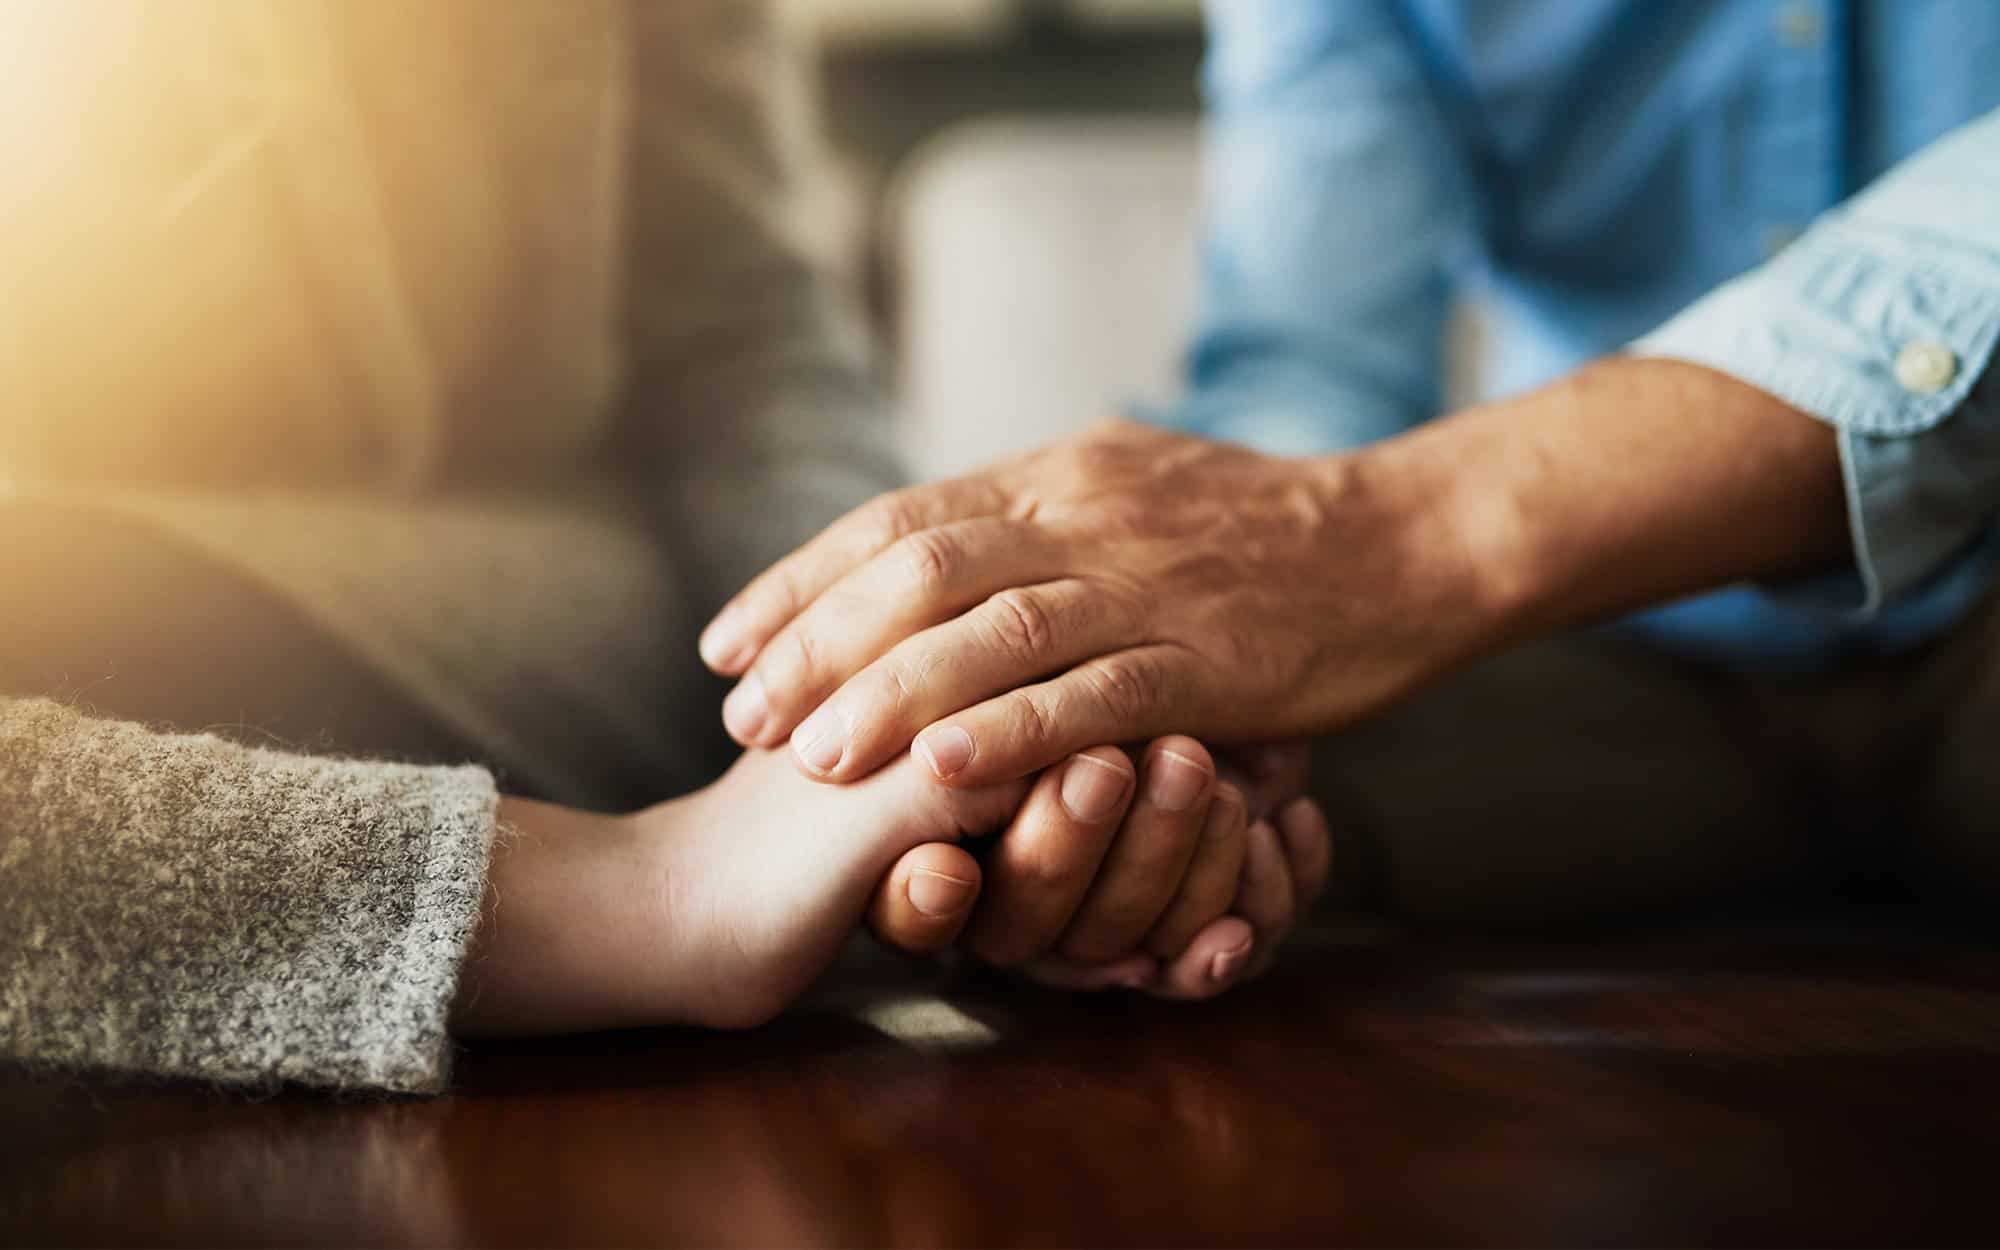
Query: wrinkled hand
[1127,583]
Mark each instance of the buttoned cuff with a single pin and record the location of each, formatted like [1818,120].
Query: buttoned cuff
[1884,333]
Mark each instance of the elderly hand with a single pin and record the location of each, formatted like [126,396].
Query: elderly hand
[1124,584]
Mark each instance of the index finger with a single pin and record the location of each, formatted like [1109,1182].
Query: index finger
[732,641]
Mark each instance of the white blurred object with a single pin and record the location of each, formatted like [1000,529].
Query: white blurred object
[1045,275]
[927,1022]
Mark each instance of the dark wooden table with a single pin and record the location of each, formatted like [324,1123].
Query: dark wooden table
[1742,1090]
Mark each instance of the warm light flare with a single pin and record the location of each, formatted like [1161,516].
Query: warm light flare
[47,54]
[149,307]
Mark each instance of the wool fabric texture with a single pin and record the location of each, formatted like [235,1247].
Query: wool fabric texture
[189,906]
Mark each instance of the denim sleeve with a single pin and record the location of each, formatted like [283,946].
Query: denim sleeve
[1881,321]
[1333,198]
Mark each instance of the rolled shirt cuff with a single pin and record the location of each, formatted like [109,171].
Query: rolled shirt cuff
[1885,334]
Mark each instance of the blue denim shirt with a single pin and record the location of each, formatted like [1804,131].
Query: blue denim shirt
[1805,195]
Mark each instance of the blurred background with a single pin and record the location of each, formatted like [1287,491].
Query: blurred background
[1018,201]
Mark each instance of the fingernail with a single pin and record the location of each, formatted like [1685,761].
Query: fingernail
[1092,788]
[1173,782]
[946,750]
[1227,962]
[935,894]
[745,710]
[821,742]
[719,643]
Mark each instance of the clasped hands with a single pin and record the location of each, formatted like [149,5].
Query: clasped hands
[1126,584]
[948,662]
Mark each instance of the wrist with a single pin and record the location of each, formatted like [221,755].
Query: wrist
[1627,483]
[1475,495]
[555,950]
[1453,554]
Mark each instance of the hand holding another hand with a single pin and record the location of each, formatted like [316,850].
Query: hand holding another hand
[1124,584]
[719,908]
[1175,582]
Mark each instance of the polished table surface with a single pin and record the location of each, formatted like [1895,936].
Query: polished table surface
[1718,1088]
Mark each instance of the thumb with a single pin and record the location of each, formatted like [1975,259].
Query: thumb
[924,902]
[925,898]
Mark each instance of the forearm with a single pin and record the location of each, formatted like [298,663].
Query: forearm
[553,953]
[1627,483]
[1881,322]
[1841,413]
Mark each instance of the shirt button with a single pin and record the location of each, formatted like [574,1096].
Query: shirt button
[1925,368]
[1799,25]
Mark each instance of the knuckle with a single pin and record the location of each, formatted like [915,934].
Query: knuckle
[1037,865]
[1033,724]
[791,664]
[805,652]
[894,515]
[930,562]
[1126,686]
[787,586]
[1021,624]
[1096,458]
[897,684]
[1039,873]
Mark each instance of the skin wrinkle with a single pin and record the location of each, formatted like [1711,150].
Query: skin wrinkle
[1022,626]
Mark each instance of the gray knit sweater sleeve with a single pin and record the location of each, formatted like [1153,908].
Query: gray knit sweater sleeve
[186,906]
